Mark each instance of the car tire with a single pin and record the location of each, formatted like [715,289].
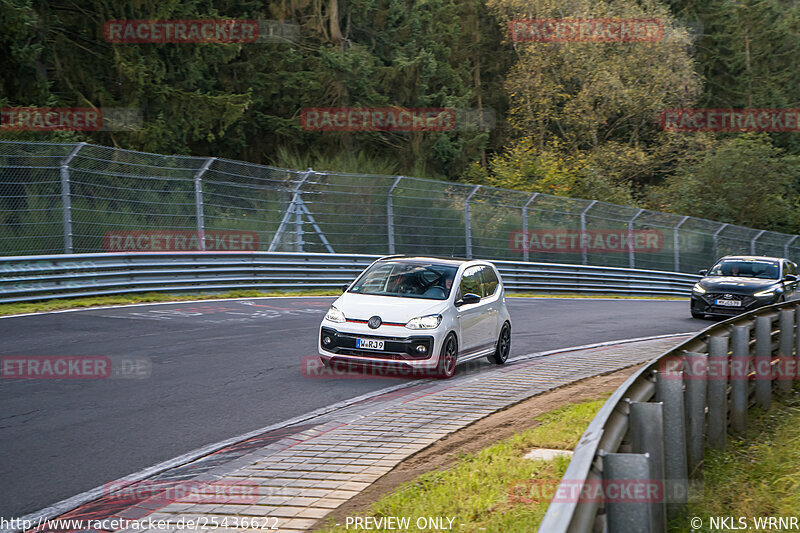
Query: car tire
[695,314]
[446,367]
[503,347]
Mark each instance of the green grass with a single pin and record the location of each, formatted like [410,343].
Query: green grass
[581,295]
[153,297]
[491,490]
[149,297]
[757,475]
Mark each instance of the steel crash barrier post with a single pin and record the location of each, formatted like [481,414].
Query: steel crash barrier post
[786,368]
[717,391]
[740,364]
[797,340]
[624,516]
[696,386]
[647,437]
[669,391]
[763,361]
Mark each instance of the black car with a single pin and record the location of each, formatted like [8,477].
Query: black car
[736,284]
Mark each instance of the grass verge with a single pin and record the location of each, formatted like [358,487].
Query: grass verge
[580,295]
[490,490]
[149,297]
[155,297]
[758,475]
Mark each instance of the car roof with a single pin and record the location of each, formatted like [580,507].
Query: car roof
[752,258]
[439,260]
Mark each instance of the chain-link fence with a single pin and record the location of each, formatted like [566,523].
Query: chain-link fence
[80,198]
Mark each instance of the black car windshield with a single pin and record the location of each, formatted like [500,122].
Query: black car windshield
[746,269]
[407,280]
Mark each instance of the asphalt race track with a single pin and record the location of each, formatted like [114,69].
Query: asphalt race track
[197,373]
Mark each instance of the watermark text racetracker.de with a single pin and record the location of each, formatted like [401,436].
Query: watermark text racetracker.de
[576,241]
[730,120]
[180,241]
[74,367]
[588,30]
[70,119]
[396,119]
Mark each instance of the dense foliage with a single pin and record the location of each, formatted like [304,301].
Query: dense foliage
[574,119]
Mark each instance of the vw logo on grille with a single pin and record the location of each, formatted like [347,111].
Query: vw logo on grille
[728,296]
[375,322]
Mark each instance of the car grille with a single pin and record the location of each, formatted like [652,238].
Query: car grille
[746,301]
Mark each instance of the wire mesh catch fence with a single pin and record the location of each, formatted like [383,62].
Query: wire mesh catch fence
[81,198]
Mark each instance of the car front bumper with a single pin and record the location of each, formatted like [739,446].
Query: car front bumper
[339,344]
[705,304]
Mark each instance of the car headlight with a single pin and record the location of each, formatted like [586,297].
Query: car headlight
[768,292]
[334,315]
[425,322]
[698,289]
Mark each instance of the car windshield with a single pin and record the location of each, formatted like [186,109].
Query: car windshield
[407,280]
[746,269]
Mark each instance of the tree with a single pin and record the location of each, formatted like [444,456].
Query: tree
[743,180]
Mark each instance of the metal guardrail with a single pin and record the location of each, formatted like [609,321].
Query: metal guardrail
[654,428]
[31,278]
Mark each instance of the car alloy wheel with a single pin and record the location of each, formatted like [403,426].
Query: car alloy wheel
[500,354]
[447,359]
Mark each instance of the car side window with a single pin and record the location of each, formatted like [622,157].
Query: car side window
[490,281]
[790,268]
[472,281]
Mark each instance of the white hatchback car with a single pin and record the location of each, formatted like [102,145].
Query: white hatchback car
[407,312]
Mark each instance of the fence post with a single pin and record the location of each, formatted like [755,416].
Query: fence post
[740,359]
[786,370]
[696,385]
[623,516]
[669,391]
[647,437]
[716,240]
[468,222]
[676,244]
[753,241]
[390,214]
[584,250]
[763,361]
[717,391]
[631,253]
[788,244]
[525,247]
[198,203]
[66,200]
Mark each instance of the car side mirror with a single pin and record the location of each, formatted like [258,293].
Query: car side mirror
[703,271]
[789,277]
[345,287]
[468,298]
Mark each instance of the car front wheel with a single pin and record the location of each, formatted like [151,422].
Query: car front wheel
[447,358]
[500,354]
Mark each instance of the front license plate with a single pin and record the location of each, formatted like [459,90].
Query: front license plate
[728,303]
[369,344]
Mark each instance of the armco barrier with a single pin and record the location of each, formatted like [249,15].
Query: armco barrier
[30,278]
[654,428]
